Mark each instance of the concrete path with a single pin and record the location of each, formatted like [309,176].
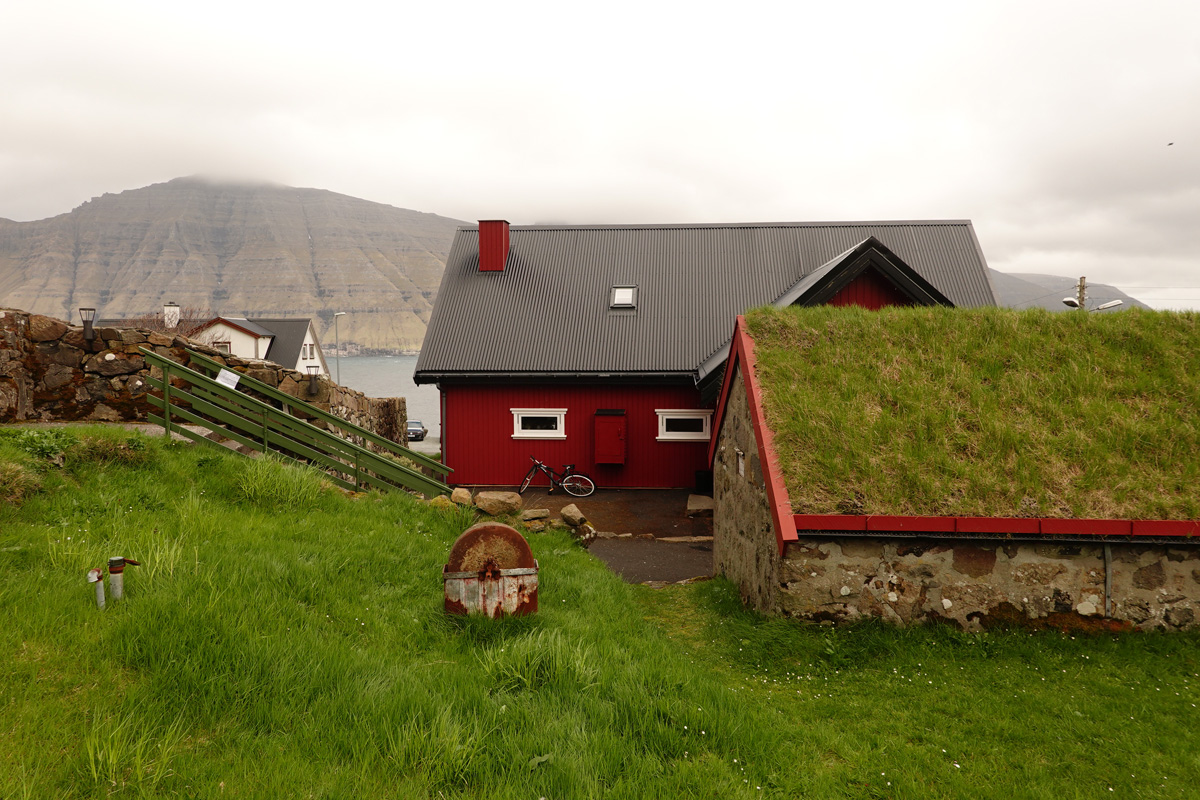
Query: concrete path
[645,534]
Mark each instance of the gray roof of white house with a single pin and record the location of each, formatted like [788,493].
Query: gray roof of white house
[548,312]
[289,336]
[249,325]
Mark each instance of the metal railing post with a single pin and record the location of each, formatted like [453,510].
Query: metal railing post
[166,401]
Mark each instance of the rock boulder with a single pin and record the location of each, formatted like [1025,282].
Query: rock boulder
[498,503]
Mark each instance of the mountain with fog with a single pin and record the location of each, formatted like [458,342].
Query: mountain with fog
[237,250]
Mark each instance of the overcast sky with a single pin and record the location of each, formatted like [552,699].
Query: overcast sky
[1046,123]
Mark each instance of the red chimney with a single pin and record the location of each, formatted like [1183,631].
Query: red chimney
[493,244]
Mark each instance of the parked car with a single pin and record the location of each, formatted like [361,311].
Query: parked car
[416,431]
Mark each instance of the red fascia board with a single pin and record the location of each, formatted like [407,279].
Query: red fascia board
[1166,527]
[207,325]
[887,522]
[741,353]
[1026,526]
[1088,527]
[999,525]
[830,522]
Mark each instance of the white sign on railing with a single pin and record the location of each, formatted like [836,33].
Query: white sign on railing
[227,378]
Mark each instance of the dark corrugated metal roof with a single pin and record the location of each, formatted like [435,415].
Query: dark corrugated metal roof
[289,335]
[548,311]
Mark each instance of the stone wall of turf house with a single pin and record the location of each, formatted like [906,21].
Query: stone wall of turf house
[49,373]
[744,547]
[974,583]
[977,584]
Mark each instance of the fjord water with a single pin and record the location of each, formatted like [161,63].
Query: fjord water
[392,376]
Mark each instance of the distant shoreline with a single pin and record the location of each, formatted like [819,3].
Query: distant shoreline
[349,351]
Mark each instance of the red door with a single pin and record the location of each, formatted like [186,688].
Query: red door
[610,436]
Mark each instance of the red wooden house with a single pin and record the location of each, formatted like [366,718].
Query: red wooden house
[603,346]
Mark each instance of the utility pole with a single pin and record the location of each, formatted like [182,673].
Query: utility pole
[1081,293]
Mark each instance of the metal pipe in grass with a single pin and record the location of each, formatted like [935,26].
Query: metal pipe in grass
[116,574]
[1107,580]
[95,576]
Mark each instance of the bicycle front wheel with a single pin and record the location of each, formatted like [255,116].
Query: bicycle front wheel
[528,479]
[578,485]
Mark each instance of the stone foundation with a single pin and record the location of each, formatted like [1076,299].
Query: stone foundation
[976,584]
[49,373]
[744,547]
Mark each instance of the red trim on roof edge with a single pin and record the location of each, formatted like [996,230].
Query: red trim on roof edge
[1048,526]
[233,325]
[741,354]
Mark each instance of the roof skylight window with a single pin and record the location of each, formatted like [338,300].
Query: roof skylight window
[624,297]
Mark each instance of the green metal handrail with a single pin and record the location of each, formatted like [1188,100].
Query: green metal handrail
[260,426]
[323,415]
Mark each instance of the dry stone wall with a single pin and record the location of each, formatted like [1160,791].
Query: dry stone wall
[49,372]
[743,533]
[972,583]
[976,584]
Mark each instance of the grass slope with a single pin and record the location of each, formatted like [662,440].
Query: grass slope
[984,412]
[283,640]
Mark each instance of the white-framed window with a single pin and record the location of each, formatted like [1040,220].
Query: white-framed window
[623,297]
[684,424]
[308,351]
[223,347]
[539,423]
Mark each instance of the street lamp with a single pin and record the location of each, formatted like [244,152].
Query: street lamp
[337,343]
[89,333]
[1071,302]
[88,315]
[1079,301]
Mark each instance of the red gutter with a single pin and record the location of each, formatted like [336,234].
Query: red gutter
[741,353]
[1009,525]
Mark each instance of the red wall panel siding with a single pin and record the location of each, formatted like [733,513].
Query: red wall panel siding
[870,290]
[477,440]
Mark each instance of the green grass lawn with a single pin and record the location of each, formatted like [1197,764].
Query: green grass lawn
[282,639]
[987,412]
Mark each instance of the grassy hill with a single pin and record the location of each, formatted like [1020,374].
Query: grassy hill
[282,639]
[984,412]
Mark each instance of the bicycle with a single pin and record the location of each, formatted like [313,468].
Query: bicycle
[573,482]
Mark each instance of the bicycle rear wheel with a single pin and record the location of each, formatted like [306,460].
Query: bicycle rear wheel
[578,485]
[528,479]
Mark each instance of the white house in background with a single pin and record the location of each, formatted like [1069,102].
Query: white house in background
[290,343]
